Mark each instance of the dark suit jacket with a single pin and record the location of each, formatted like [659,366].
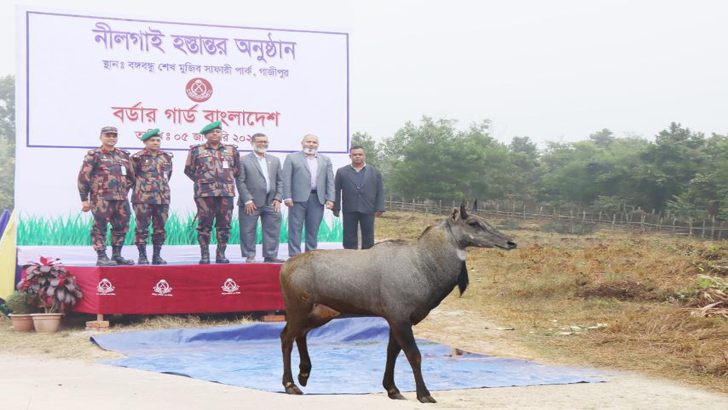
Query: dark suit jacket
[251,182]
[367,198]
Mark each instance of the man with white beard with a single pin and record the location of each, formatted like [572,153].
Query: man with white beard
[308,188]
[260,185]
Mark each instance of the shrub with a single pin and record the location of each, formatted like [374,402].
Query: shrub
[20,302]
[50,285]
[574,228]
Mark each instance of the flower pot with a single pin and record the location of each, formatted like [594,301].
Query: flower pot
[47,322]
[22,322]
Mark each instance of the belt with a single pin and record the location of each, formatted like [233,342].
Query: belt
[313,191]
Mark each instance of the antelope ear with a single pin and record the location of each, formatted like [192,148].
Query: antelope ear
[463,211]
[455,216]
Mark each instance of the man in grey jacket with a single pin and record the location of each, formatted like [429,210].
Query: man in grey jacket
[360,187]
[308,188]
[260,184]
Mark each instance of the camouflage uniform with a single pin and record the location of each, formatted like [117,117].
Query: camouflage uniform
[151,195]
[213,172]
[106,177]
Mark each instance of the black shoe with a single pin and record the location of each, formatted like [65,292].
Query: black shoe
[273,260]
[142,255]
[204,254]
[116,256]
[156,259]
[104,260]
[220,254]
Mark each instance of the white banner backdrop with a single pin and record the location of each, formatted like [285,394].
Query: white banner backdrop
[77,73]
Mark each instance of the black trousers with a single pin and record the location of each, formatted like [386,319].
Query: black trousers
[352,221]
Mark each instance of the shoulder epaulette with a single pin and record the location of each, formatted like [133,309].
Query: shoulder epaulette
[167,153]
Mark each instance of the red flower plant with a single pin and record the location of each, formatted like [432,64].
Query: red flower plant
[50,285]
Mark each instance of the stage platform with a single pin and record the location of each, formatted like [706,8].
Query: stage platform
[182,286]
[176,288]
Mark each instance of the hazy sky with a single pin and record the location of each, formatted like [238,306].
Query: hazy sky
[550,70]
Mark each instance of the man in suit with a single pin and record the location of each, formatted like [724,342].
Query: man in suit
[260,185]
[360,186]
[308,187]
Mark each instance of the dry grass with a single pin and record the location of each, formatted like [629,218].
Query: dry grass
[612,298]
[73,340]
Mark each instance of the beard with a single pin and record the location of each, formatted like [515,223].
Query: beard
[310,150]
[260,150]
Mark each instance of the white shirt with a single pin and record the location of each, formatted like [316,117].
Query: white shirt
[264,166]
[313,167]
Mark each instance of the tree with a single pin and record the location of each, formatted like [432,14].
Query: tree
[420,159]
[371,148]
[602,138]
[601,167]
[708,189]
[569,173]
[7,108]
[7,141]
[526,177]
[668,165]
[434,160]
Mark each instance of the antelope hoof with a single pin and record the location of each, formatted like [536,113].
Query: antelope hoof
[396,395]
[303,378]
[426,399]
[293,389]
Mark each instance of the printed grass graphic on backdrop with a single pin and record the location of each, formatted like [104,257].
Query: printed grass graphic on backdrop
[73,230]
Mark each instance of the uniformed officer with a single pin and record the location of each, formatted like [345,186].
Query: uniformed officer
[150,199]
[213,167]
[104,182]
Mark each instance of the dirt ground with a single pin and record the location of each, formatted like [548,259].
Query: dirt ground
[60,371]
[34,379]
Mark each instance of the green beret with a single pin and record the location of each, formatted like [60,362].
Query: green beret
[150,134]
[212,126]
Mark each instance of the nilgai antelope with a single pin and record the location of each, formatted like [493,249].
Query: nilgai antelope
[398,280]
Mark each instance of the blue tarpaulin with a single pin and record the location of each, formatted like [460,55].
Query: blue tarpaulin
[348,357]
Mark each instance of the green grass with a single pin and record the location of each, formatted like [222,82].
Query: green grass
[75,230]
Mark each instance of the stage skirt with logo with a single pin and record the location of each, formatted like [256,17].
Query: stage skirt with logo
[178,289]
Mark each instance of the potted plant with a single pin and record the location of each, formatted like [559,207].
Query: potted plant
[52,288]
[21,306]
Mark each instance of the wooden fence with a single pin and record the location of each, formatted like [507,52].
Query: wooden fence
[705,228]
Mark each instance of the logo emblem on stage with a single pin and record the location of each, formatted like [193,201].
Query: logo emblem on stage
[105,288]
[199,90]
[162,288]
[230,287]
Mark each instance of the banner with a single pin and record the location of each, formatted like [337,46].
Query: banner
[8,260]
[78,72]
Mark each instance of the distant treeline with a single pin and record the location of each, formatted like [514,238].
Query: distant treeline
[681,171]
[7,141]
